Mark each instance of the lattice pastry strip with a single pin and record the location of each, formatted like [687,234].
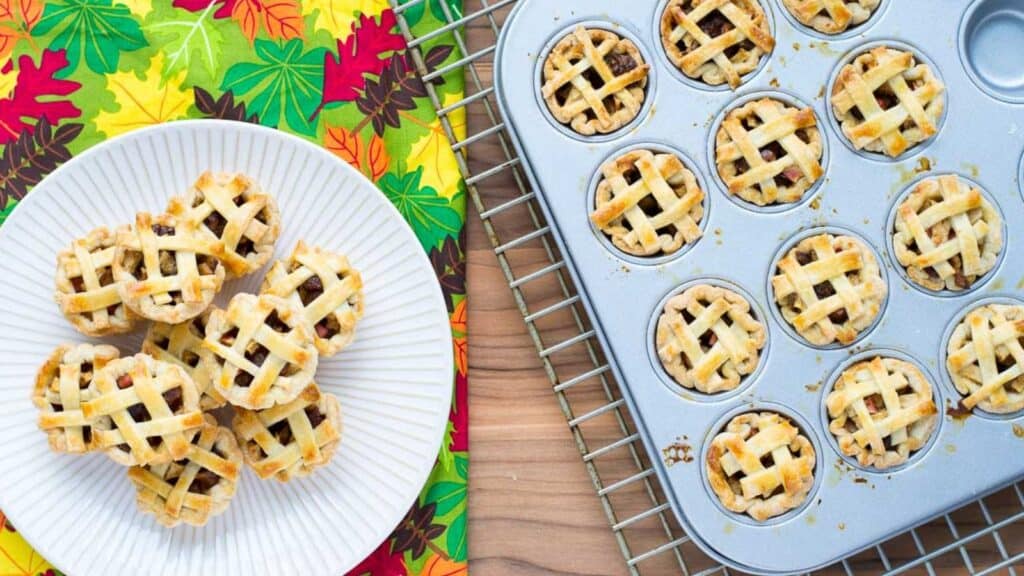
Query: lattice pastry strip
[648,203]
[768,152]
[264,351]
[290,440]
[153,407]
[326,287]
[831,16]
[829,288]
[716,41]
[886,101]
[87,291]
[195,487]
[708,340]
[947,235]
[168,271]
[761,465]
[882,410]
[594,81]
[62,385]
[985,358]
[182,344]
[232,209]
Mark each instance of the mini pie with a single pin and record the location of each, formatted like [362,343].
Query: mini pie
[182,344]
[769,152]
[761,465]
[195,487]
[594,81]
[153,408]
[716,41]
[232,209]
[63,383]
[985,358]
[829,288]
[831,16]
[947,234]
[326,287]
[708,340]
[168,271]
[86,289]
[882,411]
[290,440]
[886,101]
[263,351]
[648,203]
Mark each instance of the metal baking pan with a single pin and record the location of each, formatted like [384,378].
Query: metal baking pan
[981,137]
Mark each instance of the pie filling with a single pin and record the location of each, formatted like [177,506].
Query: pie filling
[714,25]
[283,432]
[106,278]
[772,152]
[619,63]
[309,290]
[824,289]
[649,205]
[941,233]
[139,413]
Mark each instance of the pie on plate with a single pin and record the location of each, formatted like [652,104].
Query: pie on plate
[881,411]
[594,81]
[716,41]
[947,234]
[985,358]
[829,288]
[708,339]
[63,384]
[87,292]
[761,465]
[769,152]
[182,344]
[648,203]
[886,101]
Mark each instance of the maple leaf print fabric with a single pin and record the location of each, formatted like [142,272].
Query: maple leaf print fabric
[74,73]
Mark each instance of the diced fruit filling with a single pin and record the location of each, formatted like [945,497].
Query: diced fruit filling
[203,482]
[163,230]
[310,290]
[620,63]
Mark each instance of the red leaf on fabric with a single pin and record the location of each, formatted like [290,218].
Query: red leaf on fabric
[223,11]
[281,18]
[33,95]
[459,415]
[381,562]
[364,52]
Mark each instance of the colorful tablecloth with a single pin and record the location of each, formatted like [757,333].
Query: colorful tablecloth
[76,72]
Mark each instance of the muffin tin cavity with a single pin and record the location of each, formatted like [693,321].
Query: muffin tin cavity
[831,20]
[828,287]
[768,151]
[887,100]
[881,410]
[708,340]
[761,464]
[714,45]
[983,358]
[946,234]
[594,81]
[647,204]
[988,31]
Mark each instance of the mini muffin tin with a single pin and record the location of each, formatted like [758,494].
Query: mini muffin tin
[981,137]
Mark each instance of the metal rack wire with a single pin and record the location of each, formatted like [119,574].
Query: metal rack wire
[984,537]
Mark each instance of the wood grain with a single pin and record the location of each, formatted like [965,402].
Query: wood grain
[533,508]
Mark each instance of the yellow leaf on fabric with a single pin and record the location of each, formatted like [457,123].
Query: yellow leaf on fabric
[17,557]
[434,153]
[138,8]
[337,16]
[144,101]
[7,80]
[457,116]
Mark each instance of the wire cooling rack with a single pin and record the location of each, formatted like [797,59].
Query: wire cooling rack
[984,537]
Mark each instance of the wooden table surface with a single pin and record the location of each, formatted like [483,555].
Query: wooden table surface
[533,509]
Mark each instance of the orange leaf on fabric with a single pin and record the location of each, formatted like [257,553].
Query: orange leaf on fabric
[281,18]
[345,144]
[35,94]
[459,318]
[377,158]
[438,566]
[364,52]
[17,17]
[461,354]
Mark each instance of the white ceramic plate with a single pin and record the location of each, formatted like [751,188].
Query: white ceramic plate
[394,382]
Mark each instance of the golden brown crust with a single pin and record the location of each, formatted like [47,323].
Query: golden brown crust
[182,344]
[985,358]
[831,16]
[87,291]
[63,384]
